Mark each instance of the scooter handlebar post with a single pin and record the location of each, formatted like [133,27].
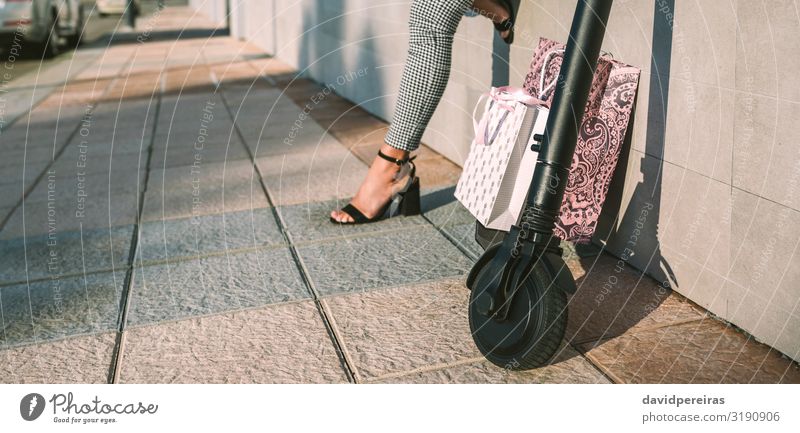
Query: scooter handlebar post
[561,133]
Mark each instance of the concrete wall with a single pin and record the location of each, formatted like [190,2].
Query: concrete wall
[706,198]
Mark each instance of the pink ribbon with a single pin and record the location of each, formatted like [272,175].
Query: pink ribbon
[505,98]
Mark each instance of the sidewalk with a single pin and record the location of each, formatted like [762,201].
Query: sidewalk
[174,229]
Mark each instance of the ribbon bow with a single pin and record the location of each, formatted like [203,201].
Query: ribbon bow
[504,98]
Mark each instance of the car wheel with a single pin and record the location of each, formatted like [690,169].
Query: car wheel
[75,39]
[49,47]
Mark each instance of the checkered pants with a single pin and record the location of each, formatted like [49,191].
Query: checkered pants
[431,28]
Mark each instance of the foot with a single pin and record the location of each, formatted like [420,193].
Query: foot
[377,189]
[495,10]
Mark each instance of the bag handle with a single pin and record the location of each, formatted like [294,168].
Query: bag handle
[542,90]
[505,97]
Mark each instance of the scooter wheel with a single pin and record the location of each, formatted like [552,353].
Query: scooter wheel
[532,333]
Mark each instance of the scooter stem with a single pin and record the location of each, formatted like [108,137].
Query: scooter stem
[561,133]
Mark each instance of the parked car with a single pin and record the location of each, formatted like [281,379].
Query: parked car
[43,25]
[115,7]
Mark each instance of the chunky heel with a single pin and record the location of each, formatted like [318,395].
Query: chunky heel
[410,205]
[404,202]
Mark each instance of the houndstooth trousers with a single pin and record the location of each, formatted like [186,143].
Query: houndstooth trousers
[431,28]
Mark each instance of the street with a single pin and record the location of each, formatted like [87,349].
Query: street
[97,32]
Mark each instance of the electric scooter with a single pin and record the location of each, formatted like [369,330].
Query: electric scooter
[519,286]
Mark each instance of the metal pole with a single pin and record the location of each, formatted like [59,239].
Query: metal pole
[561,134]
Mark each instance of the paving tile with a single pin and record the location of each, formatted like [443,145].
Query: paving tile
[402,329]
[272,66]
[328,174]
[275,344]
[212,285]
[613,298]
[227,148]
[98,186]
[351,265]
[697,352]
[310,222]
[28,154]
[97,250]
[84,359]
[360,132]
[441,207]
[5,211]
[18,174]
[568,367]
[234,73]
[464,236]
[101,163]
[437,172]
[60,307]
[309,139]
[192,237]
[11,194]
[256,103]
[211,188]
[67,213]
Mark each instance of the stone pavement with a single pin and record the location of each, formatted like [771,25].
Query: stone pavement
[164,219]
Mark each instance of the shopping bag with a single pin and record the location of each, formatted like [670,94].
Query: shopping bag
[501,155]
[600,137]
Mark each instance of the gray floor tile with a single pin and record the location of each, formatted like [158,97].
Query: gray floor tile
[68,214]
[61,307]
[122,165]
[10,194]
[211,188]
[22,174]
[326,174]
[464,236]
[98,250]
[192,237]
[29,154]
[310,222]
[388,260]
[214,285]
[4,212]
[92,187]
[176,155]
[442,208]
[278,137]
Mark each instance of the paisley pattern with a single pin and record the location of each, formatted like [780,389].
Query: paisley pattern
[600,139]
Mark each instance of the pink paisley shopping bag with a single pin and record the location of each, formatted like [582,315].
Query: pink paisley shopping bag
[600,138]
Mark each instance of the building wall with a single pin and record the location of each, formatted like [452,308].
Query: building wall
[706,199]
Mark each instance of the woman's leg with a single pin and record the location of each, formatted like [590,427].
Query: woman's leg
[431,28]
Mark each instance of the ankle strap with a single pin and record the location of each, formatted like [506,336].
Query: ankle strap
[399,162]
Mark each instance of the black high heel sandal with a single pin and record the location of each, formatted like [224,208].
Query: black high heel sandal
[404,202]
[508,23]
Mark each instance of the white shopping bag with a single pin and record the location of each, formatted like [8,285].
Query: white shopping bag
[499,169]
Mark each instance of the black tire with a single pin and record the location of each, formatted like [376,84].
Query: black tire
[535,327]
[75,40]
[48,48]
